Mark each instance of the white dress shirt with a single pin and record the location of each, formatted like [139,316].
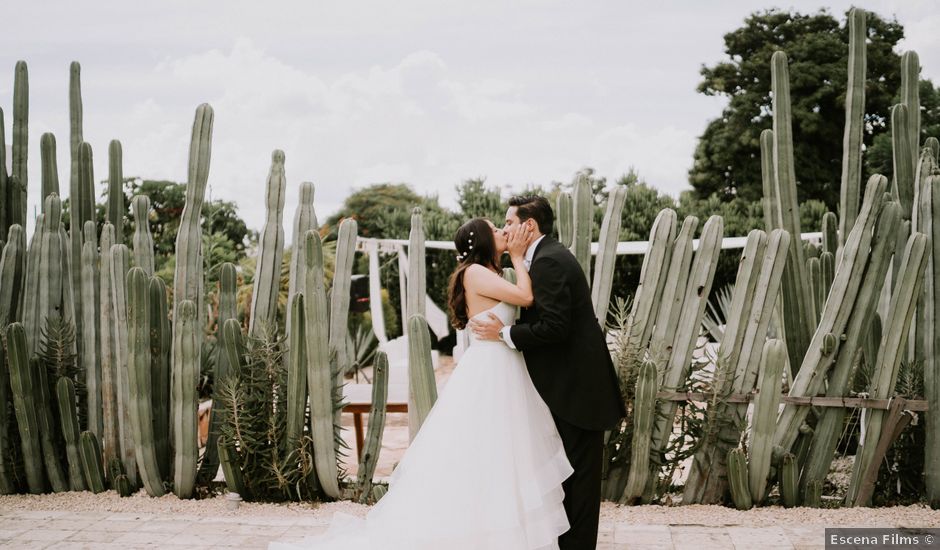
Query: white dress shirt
[527,261]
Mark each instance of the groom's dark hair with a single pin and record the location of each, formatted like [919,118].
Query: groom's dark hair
[534,207]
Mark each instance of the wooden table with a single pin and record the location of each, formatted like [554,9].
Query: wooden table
[358,398]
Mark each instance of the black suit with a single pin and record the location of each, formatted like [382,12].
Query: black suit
[568,361]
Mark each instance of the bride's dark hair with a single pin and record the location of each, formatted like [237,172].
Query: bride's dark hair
[475,245]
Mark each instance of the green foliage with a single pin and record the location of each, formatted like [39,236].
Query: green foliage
[727,158]
[878,157]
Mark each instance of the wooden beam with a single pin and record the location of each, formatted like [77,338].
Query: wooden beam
[819,401]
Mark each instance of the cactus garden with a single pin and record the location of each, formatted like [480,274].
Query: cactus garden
[778,364]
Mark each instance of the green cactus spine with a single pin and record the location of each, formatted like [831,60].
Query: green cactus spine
[320,379]
[583,224]
[607,254]
[143,239]
[296,374]
[565,208]
[228,288]
[373,442]
[24,392]
[305,219]
[92,342]
[140,384]
[120,265]
[789,480]
[68,420]
[772,366]
[738,473]
[270,251]
[851,186]
[50,172]
[644,411]
[339,295]
[930,335]
[92,464]
[160,339]
[116,206]
[110,432]
[18,180]
[184,399]
[797,297]
[422,388]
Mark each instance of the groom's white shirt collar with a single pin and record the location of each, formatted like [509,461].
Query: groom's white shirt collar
[530,252]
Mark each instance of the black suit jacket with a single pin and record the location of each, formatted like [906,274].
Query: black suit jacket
[564,347]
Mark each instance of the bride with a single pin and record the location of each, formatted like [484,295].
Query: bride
[486,468]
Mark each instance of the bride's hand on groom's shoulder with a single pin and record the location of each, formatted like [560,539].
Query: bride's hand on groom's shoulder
[487,328]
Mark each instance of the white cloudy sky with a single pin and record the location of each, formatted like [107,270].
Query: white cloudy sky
[424,92]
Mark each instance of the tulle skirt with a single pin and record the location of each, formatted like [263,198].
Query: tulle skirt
[484,471]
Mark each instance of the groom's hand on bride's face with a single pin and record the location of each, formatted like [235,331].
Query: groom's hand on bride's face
[487,328]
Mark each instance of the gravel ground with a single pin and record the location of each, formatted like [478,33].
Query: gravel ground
[901,516]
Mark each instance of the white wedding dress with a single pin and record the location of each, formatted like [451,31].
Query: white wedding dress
[484,471]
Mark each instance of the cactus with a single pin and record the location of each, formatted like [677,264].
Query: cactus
[929,309]
[932,144]
[378,492]
[417,285]
[644,409]
[92,342]
[652,278]
[18,176]
[797,298]
[68,420]
[789,480]
[123,485]
[25,407]
[12,268]
[120,265]
[270,251]
[184,398]
[830,422]
[296,374]
[583,224]
[851,186]
[422,389]
[812,496]
[140,384]
[110,432]
[373,442]
[82,210]
[903,151]
[673,291]
[188,275]
[50,172]
[230,471]
[827,269]
[160,339]
[91,462]
[772,365]
[770,200]
[738,475]
[814,272]
[830,233]
[891,350]
[565,212]
[143,239]
[116,207]
[6,187]
[812,374]
[320,380]
[30,309]
[339,295]
[54,301]
[910,97]
[305,219]
[48,434]
[607,254]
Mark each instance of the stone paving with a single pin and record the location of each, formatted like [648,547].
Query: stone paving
[60,529]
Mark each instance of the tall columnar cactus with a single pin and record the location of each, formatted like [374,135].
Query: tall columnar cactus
[644,411]
[814,273]
[672,294]
[143,239]
[116,206]
[6,189]
[607,253]
[339,295]
[48,428]
[296,373]
[228,310]
[92,465]
[110,431]
[91,361]
[120,265]
[49,172]
[160,340]
[24,392]
[851,187]
[565,212]
[12,271]
[829,425]
[910,96]
[140,384]
[770,200]
[188,276]
[75,125]
[20,144]
[68,421]
[797,297]
[738,474]
[55,300]
[789,480]
[891,350]
[233,349]
[320,378]
[583,223]
[82,210]
[186,340]
[270,251]
[305,219]
[759,452]
[652,278]
[830,232]
[815,368]
[903,151]
[930,335]
[417,281]
[373,442]
[422,389]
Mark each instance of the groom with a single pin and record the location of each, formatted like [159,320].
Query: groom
[568,361]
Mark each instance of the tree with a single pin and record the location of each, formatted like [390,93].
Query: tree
[727,158]
[478,201]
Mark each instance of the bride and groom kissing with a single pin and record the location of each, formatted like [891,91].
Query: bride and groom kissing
[510,456]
